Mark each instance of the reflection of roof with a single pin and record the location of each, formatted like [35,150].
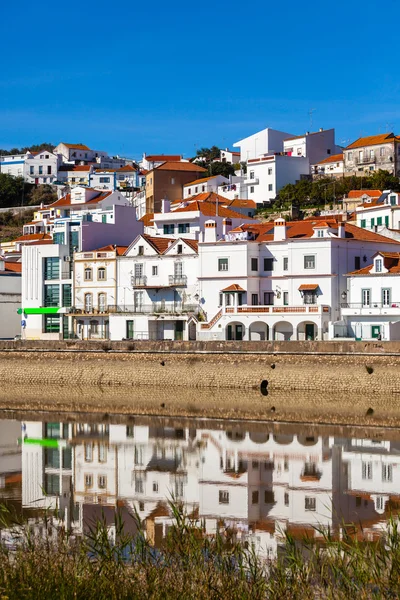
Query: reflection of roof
[308,286]
[233,288]
[371,140]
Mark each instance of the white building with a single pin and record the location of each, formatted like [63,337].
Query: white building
[267,141]
[229,156]
[332,166]
[152,161]
[375,213]
[280,281]
[79,154]
[315,146]
[267,174]
[372,307]
[10,298]
[204,185]
[34,167]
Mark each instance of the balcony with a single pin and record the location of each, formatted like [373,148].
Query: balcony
[374,308]
[251,181]
[275,310]
[177,280]
[156,308]
[366,160]
[139,281]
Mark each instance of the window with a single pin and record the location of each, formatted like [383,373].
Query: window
[138,456]
[94,327]
[178,270]
[251,174]
[393,199]
[285,263]
[139,270]
[320,233]
[254,264]
[382,151]
[88,449]
[52,458]
[130,431]
[102,302]
[31,170]
[386,296]
[357,263]
[240,299]
[169,229]
[285,298]
[190,191]
[268,264]
[52,484]
[67,458]
[88,481]
[51,268]
[252,189]
[286,499]
[102,482]
[269,298]
[363,223]
[154,270]
[254,299]
[52,295]
[366,297]
[88,302]
[129,330]
[140,250]
[101,274]
[179,249]
[310,504]
[366,470]
[269,171]
[155,486]
[139,486]
[40,170]
[49,170]
[88,274]
[67,295]
[309,297]
[378,265]
[270,187]
[58,238]
[183,227]
[309,262]
[52,430]
[254,497]
[387,221]
[387,472]
[269,497]
[379,221]
[222,264]
[223,497]
[221,299]
[349,156]
[104,180]
[255,465]
[372,154]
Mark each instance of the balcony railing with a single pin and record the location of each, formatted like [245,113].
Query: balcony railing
[139,281]
[251,181]
[177,280]
[305,308]
[365,160]
[372,307]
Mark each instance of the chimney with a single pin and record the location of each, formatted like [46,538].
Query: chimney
[210,231]
[226,226]
[165,206]
[321,128]
[341,232]
[2,264]
[279,230]
[307,132]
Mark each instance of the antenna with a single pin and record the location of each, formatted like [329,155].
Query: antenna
[389,127]
[310,112]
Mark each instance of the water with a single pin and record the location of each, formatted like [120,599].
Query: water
[260,480]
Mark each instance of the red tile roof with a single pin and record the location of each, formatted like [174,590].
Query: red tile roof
[147,219]
[120,250]
[66,200]
[372,140]
[180,166]
[264,232]
[331,159]
[359,193]
[199,181]
[33,237]
[161,244]
[233,288]
[13,267]
[209,209]
[163,157]
[75,146]
[391,261]
[126,168]
[308,286]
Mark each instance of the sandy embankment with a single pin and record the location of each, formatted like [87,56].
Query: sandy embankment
[304,388]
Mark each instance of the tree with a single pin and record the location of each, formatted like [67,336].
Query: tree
[383,180]
[43,193]
[13,191]
[33,148]
[208,154]
[220,168]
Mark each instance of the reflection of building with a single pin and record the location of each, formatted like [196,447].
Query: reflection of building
[257,484]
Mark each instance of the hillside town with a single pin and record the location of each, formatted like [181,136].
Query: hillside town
[175,248]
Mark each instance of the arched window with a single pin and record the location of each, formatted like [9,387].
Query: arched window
[101,274]
[88,303]
[88,274]
[102,302]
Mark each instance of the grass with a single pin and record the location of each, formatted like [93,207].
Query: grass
[192,565]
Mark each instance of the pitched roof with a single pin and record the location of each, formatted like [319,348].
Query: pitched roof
[66,200]
[126,168]
[161,244]
[359,193]
[308,286]
[391,261]
[13,267]
[74,168]
[147,219]
[180,166]
[163,157]
[75,146]
[372,140]
[233,288]
[264,232]
[120,250]
[33,237]
[331,159]
[198,181]
[209,209]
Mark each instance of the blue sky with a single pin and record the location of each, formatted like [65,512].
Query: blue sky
[175,76]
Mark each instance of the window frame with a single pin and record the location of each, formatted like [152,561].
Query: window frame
[307,258]
[220,263]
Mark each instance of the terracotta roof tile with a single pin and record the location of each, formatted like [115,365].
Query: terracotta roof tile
[331,159]
[391,261]
[164,157]
[180,166]
[233,288]
[147,219]
[126,168]
[308,286]
[13,267]
[66,200]
[371,140]
[161,244]
[76,146]
[33,237]
[209,209]
[359,193]
[199,181]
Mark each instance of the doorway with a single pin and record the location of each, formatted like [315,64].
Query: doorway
[310,331]
[375,331]
[235,332]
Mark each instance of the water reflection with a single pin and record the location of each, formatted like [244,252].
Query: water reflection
[258,482]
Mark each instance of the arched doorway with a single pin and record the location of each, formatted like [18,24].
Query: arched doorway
[283,331]
[258,331]
[258,437]
[307,330]
[235,331]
